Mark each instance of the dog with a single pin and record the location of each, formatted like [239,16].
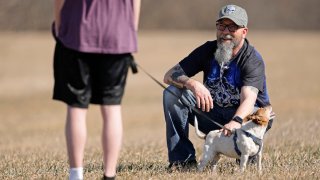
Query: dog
[242,144]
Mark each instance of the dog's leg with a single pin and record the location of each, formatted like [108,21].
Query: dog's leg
[259,167]
[215,160]
[206,156]
[243,162]
[259,156]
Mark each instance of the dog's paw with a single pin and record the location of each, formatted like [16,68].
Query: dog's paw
[200,168]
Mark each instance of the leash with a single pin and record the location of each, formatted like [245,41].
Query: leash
[182,100]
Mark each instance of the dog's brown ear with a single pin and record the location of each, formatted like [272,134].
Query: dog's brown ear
[260,120]
[247,118]
[261,116]
[250,116]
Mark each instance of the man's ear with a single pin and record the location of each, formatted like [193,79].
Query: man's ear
[244,32]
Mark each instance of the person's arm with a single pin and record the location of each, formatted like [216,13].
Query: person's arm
[248,98]
[177,77]
[58,4]
[136,9]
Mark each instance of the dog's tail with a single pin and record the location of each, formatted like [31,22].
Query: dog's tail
[200,134]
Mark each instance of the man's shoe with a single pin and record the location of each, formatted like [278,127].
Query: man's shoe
[108,178]
[190,164]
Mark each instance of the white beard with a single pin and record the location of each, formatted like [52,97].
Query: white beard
[223,53]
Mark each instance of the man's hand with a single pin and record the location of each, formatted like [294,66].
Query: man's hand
[230,126]
[201,93]
[177,77]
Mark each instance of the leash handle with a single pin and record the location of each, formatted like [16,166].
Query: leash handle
[133,66]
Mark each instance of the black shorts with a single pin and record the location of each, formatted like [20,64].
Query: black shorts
[84,78]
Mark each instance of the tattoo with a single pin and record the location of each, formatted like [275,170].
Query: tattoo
[178,75]
[254,89]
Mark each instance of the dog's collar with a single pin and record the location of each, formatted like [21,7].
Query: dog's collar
[255,139]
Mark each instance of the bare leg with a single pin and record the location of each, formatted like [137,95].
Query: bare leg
[111,137]
[76,135]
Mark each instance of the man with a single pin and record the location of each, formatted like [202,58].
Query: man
[95,39]
[234,83]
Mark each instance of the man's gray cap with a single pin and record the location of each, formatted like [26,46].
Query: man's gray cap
[235,13]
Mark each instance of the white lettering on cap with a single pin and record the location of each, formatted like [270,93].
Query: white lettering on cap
[230,9]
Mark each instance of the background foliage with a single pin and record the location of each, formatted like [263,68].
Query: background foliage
[177,14]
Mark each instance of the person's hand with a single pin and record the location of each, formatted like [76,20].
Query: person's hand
[229,127]
[201,93]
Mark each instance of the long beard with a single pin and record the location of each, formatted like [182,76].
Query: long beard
[224,51]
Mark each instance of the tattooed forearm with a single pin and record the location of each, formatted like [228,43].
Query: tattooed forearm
[178,75]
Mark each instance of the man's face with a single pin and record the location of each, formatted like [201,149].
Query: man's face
[230,34]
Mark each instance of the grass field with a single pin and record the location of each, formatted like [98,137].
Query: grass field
[32,144]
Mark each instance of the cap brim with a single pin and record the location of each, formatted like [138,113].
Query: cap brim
[232,19]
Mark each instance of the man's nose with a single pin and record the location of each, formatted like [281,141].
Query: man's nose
[226,30]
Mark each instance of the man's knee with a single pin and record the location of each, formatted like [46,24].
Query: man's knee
[171,93]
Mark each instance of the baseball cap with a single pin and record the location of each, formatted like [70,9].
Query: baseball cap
[235,13]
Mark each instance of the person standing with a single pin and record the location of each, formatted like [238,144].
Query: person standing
[234,83]
[95,40]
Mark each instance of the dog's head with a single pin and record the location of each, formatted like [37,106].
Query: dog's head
[261,116]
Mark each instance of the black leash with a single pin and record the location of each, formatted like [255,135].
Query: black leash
[182,100]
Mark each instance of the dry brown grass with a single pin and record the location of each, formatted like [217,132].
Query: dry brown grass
[32,144]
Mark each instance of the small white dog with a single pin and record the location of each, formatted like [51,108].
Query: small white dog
[243,143]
